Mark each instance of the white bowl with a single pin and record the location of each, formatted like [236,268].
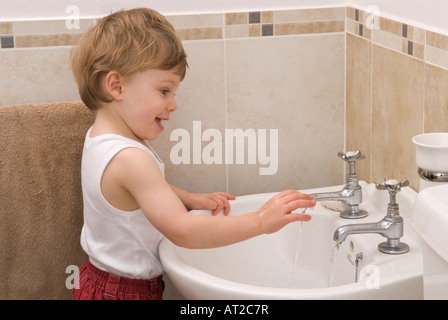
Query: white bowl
[432,151]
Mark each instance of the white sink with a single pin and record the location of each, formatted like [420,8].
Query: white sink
[264,267]
[431,223]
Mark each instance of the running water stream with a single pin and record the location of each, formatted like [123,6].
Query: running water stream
[309,279]
[331,268]
[299,243]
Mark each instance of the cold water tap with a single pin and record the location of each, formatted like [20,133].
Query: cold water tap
[390,227]
[351,193]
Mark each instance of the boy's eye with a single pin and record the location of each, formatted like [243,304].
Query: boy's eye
[164,91]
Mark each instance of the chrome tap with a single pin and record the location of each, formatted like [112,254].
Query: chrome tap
[351,194]
[390,227]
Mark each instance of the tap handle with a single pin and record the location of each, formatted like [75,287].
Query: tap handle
[392,185]
[351,155]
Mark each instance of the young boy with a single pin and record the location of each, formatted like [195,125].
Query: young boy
[128,68]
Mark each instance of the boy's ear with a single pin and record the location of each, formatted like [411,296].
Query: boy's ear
[113,82]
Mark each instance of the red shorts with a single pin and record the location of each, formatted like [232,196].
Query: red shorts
[95,284]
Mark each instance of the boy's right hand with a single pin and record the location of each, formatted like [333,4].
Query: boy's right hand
[276,212]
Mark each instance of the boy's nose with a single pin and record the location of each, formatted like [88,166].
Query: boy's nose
[172,106]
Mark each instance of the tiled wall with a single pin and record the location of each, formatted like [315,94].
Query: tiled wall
[422,44]
[396,87]
[252,70]
[309,73]
[265,70]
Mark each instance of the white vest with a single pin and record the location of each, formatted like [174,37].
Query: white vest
[124,243]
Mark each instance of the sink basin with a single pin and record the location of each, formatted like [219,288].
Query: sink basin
[431,222]
[301,261]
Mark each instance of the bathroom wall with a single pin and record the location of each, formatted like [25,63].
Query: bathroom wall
[320,76]
[275,70]
[396,87]
[428,15]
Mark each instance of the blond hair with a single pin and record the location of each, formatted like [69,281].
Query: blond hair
[127,42]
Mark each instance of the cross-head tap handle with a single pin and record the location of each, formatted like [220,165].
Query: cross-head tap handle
[351,155]
[392,185]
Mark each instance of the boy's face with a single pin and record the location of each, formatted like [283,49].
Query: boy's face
[148,99]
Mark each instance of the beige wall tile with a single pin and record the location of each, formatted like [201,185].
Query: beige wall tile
[350,13]
[196,20]
[359,101]
[237,30]
[419,35]
[254,30]
[29,77]
[419,51]
[199,33]
[436,99]
[387,39]
[309,27]
[437,40]
[367,32]
[391,26]
[436,56]
[46,40]
[5,27]
[351,26]
[303,15]
[296,85]
[51,26]
[237,18]
[397,109]
[267,16]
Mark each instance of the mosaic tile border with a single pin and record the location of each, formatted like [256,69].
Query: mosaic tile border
[21,34]
[284,22]
[408,39]
[419,43]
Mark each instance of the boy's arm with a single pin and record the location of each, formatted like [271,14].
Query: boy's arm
[215,202]
[139,175]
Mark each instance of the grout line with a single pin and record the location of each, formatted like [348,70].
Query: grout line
[225,93]
[344,171]
[424,80]
[371,113]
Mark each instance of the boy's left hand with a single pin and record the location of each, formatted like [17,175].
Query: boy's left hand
[215,202]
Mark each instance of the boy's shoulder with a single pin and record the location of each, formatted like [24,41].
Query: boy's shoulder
[135,157]
[133,166]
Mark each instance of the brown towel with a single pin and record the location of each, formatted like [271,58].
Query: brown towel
[40,198]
